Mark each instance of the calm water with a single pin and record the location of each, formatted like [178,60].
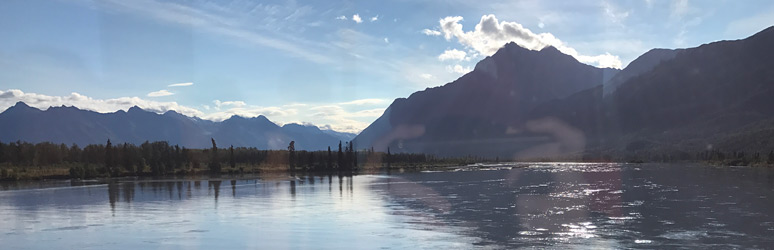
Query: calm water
[540,205]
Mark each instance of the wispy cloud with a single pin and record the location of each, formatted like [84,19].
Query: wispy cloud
[430,32]
[220,22]
[374,18]
[369,101]
[182,84]
[614,14]
[160,93]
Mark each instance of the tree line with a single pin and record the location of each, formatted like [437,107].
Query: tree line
[161,158]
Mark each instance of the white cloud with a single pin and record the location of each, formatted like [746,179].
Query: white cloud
[182,84]
[430,32]
[426,76]
[375,18]
[452,54]
[458,69]
[357,18]
[369,101]
[237,104]
[341,18]
[490,34]
[386,40]
[160,93]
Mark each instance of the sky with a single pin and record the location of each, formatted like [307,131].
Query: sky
[334,64]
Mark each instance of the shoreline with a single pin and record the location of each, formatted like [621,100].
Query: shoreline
[20,173]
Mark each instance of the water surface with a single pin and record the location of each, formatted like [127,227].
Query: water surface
[503,206]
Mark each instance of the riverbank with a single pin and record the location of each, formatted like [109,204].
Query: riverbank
[66,171]
[72,171]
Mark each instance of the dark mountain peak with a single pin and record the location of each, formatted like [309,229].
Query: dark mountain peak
[172,113]
[63,108]
[235,118]
[296,125]
[21,104]
[21,107]
[134,109]
[550,49]
[512,47]
[240,119]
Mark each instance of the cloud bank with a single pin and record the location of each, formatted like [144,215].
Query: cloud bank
[490,34]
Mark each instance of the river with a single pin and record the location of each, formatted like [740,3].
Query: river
[544,205]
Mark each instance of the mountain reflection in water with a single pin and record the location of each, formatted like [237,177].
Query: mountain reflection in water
[524,205]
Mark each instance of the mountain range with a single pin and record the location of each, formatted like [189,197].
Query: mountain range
[72,125]
[520,103]
[517,104]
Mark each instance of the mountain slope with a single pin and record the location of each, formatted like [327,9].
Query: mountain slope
[480,106]
[71,125]
[712,89]
[533,104]
[715,96]
[642,64]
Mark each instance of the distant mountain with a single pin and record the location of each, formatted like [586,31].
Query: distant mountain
[72,125]
[520,102]
[472,114]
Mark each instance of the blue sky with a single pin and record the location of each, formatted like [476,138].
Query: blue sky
[334,64]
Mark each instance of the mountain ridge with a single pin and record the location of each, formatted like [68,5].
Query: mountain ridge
[662,95]
[71,125]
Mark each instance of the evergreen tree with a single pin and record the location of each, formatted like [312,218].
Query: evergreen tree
[292,155]
[178,157]
[329,161]
[128,158]
[109,157]
[214,163]
[340,158]
[185,154]
[231,157]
